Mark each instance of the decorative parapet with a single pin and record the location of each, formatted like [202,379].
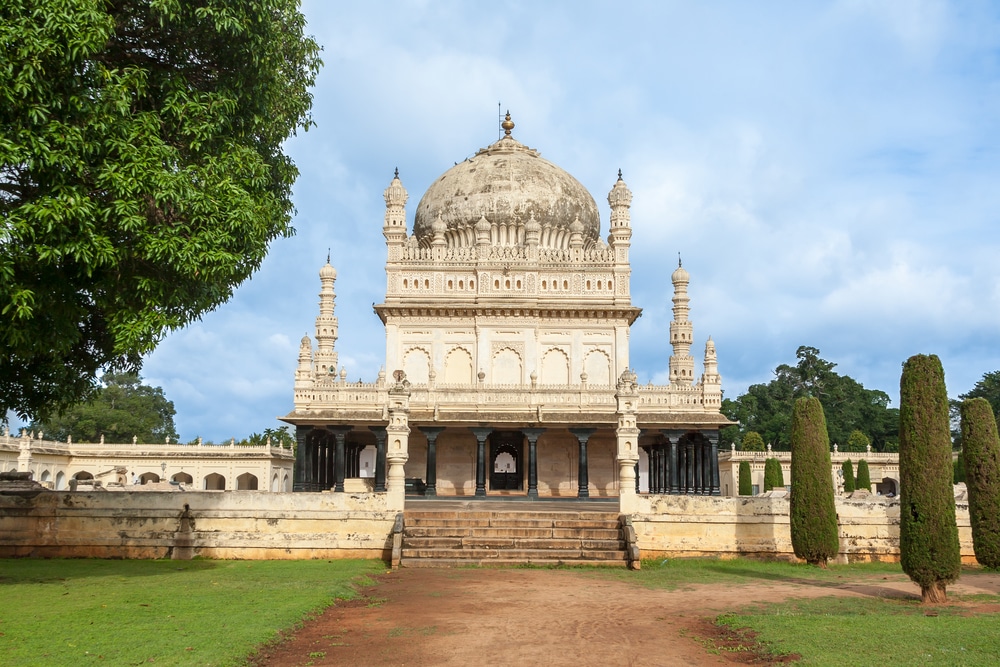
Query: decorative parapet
[332,396]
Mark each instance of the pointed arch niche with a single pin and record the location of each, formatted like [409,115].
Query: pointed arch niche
[555,367]
[598,368]
[506,367]
[417,365]
[458,367]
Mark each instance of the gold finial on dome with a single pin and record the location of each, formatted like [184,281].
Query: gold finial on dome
[507,124]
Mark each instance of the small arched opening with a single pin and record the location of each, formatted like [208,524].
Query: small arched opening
[246,482]
[149,477]
[215,482]
[182,478]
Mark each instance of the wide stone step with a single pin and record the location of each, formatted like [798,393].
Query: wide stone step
[505,562]
[516,555]
[519,532]
[503,522]
[513,516]
[510,543]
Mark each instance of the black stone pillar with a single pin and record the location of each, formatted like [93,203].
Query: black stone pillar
[638,486]
[532,434]
[673,464]
[299,470]
[689,466]
[481,435]
[583,477]
[662,468]
[313,461]
[699,460]
[339,433]
[380,436]
[713,439]
[432,432]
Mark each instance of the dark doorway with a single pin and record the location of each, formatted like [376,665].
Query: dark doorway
[506,461]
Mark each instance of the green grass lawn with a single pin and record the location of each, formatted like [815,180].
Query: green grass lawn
[875,631]
[121,612]
[842,630]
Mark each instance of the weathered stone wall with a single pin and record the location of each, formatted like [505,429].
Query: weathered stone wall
[678,526]
[260,525]
[234,524]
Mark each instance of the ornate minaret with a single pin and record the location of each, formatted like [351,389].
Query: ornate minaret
[326,324]
[303,374]
[620,235]
[394,228]
[711,375]
[681,331]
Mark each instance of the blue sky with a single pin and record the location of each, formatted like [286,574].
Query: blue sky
[829,172]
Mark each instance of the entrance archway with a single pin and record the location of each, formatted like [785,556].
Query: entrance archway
[506,461]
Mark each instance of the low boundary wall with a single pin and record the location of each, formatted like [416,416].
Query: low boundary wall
[677,526]
[262,525]
[231,524]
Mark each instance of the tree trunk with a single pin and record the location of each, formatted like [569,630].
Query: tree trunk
[933,593]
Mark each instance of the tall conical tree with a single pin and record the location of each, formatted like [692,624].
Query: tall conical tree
[863,481]
[981,449]
[746,484]
[773,477]
[928,535]
[815,537]
[848,469]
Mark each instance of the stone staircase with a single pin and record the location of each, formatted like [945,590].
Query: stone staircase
[450,538]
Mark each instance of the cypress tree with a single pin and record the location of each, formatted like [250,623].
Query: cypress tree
[928,536]
[746,485]
[773,477]
[848,470]
[982,469]
[815,537]
[959,468]
[864,479]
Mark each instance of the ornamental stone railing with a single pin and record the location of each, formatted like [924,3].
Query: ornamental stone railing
[332,394]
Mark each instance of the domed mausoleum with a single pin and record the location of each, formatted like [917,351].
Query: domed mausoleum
[507,315]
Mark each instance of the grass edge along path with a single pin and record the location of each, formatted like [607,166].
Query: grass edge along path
[130,612]
[822,631]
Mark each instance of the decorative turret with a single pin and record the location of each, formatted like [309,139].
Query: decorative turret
[394,228]
[326,323]
[681,331]
[303,374]
[620,199]
[711,374]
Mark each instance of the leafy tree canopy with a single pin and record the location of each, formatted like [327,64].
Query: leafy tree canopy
[752,442]
[767,408]
[120,410]
[857,441]
[989,388]
[142,176]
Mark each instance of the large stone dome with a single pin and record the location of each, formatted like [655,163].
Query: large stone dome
[508,184]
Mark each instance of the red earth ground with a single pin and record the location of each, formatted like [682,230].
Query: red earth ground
[441,617]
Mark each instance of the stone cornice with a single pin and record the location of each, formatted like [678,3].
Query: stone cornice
[586,313]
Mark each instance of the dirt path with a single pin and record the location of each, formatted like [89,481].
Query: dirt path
[420,618]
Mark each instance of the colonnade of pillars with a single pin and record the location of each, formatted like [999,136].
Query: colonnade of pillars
[322,464]
[531,435]
[678,465]
[684,465]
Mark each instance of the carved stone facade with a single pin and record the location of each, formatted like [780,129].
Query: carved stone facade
[507,323]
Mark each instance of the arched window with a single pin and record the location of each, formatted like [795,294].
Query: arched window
[246,482]
[215,482]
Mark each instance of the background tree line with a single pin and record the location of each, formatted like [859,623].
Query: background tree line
[855,416]
[123,408]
